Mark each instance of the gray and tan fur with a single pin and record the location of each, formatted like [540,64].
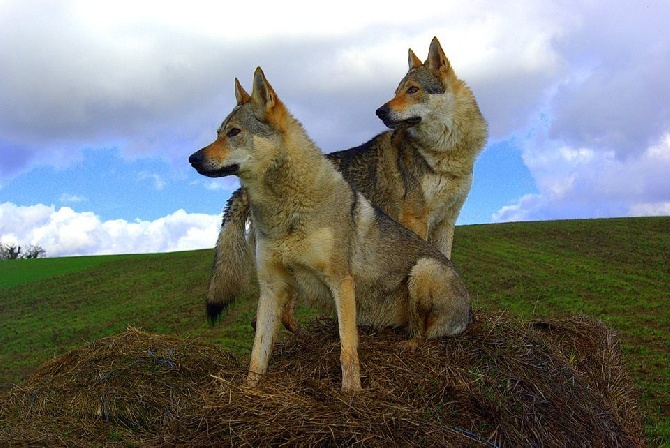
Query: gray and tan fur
[315,233]
[419,172]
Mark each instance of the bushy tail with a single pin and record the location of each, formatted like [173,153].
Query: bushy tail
[233,257]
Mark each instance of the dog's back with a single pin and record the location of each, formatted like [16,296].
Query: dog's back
[384,169]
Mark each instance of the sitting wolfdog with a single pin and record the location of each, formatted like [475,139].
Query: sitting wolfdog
[315,233]
[419,173]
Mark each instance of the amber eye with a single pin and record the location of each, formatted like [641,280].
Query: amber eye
[412,89]
[233,132]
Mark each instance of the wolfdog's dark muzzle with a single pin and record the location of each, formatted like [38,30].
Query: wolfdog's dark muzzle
[384,114]
[199,162]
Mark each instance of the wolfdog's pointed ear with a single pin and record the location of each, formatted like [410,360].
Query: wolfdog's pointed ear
[263,94]
[412,60]
[240,94]
[437,62]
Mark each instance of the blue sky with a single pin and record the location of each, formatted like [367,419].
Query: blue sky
[101,103]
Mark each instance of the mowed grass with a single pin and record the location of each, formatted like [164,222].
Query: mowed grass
[22,271]
[613,269]
[161,293]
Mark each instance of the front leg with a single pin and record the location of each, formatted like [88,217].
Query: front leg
[345,302]
[415,218]
[275,288]
[442,236]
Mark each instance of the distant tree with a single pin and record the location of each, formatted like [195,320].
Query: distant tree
[12,251]
[34,251]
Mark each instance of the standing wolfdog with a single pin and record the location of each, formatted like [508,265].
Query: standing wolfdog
[419,173]
[316,233]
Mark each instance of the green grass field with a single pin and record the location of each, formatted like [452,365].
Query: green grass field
[614,269]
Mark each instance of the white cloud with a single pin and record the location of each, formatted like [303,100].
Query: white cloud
[520,211]
[67,198]
[214,185]
[657,209]
[155,78]
[598,142]
[64,231]
[151,76]
[228,183]
[158,181]
[586,183]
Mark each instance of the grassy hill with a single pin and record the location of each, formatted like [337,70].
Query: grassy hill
[614,269]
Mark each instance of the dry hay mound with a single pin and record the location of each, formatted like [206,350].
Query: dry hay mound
[127,386]
[556,382]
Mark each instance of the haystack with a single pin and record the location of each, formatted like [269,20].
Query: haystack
[505,382]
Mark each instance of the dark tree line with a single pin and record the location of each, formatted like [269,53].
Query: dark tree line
[11,251]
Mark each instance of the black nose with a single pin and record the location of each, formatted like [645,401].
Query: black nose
[383,111]
[196,158]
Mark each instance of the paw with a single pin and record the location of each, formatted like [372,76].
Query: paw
[411,345]
[292,326]
[252,379]
[351,385]
[351,377]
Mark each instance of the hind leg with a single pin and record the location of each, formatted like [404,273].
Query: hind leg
[287,317]
[439,304]
[420,322]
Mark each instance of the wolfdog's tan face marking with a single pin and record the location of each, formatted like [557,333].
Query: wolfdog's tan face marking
[427,87]
[239,140]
